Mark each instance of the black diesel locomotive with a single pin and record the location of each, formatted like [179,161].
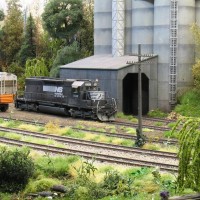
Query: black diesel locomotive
[76,98]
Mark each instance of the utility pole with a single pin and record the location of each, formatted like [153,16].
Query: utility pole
[139,92]
[140,141]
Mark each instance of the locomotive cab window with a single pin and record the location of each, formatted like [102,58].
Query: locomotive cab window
[76,90]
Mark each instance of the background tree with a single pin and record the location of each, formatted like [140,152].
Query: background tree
[1,19]
[196,68]
[62,18]
[36,67]
[28,48]
[47,48]
[2,15]
[12,32]
[86,35]
[64,56]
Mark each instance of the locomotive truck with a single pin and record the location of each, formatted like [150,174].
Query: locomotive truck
[8,89]
[72,97]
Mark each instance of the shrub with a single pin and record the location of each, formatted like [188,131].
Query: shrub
[117,184]
[157,113]
[189,104]
[16,167]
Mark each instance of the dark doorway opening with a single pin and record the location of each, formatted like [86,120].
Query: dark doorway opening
[130,94]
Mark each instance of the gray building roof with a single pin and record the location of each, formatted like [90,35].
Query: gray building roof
[106,62]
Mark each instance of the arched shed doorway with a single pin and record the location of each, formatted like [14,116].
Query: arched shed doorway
[130,94]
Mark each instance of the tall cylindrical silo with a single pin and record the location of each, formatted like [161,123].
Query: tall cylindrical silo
[142,25]
[175,48]
[128,27]
[102,27]
[186,48]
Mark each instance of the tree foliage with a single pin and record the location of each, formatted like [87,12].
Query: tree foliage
[28,48]
[189,154]
[196,74]
[86,35]
[66,55]
[12,32]
[62,18]
[36,67]
[196,68]
[2,15]
[47,48]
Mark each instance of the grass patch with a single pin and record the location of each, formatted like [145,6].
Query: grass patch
[56,167]
[169,134]
[171,124]
[158,123]
[157,113]
[189,104]
[28,127]
[127,117]
[73,133]
[130,130]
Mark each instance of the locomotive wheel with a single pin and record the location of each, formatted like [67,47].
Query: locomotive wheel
[4,107]
[105,118]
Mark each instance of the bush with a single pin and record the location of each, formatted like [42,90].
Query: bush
[15,169]
[189,104]
[157,113]
[116,184]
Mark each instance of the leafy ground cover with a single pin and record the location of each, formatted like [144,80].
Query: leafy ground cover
[86,180]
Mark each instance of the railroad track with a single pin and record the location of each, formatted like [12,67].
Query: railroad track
[103,157]
[118,135]
[65,139]
[159,128]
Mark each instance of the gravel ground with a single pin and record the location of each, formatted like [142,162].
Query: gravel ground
[39,117]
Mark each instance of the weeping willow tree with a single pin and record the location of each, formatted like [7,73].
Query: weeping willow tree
[189,154]
[36,67]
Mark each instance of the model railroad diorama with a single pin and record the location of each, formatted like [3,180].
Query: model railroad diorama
[82,99]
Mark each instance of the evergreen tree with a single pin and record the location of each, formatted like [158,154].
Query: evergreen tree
[66,55]
[2,15]
[28,48]
[12,33]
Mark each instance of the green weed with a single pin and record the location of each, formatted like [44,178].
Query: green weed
[189,104]
[157,113]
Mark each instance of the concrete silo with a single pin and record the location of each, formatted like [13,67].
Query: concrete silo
[175,48]
[142,25]
[103,27]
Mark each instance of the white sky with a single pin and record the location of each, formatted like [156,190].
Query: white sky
[22,2]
